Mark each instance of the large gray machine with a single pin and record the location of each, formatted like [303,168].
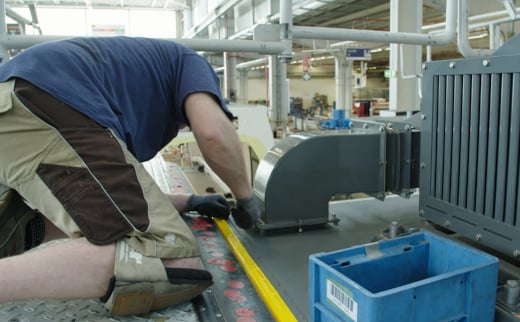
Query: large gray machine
[470,158]
[470,147]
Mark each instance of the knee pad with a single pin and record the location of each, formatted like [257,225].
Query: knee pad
[142,284]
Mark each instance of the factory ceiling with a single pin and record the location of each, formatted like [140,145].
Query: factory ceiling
[351,14]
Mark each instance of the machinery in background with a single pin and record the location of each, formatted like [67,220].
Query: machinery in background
[462,151]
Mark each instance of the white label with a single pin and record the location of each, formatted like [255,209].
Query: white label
[342,299]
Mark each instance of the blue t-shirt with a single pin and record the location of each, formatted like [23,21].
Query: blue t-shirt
[134,86]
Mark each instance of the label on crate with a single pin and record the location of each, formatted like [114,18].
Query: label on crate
[341,297]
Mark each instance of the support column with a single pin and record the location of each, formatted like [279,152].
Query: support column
[278,95]
[343,77]
[230,76]
[495,39]
[187,19]
[405,60]
[278,82]
[179,24]
[242,94]
[4,55]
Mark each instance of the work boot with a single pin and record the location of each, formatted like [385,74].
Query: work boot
[21,228]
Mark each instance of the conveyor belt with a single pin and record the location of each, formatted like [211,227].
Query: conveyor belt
[233,295]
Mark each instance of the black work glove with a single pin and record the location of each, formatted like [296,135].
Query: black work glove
[209,205]
[247,212]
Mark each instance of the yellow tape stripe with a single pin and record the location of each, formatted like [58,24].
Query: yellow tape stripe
[266,291]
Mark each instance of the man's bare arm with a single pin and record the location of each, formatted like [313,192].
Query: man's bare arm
[218,142]
[221,148]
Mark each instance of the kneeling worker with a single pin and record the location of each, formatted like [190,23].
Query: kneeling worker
[77,118]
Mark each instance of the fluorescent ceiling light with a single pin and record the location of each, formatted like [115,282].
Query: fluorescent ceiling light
[510,8]
[478,36]
[300,11]
[314,5]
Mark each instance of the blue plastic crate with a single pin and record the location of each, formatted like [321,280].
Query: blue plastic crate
[421,277]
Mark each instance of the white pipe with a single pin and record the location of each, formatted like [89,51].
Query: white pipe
[226,45]
[494,36]
[285,11]
[402,64]
[25,41]
[439,38]
[262,47]
[230,77]
[4,54]
[243,93]
[349,102]
[188,20]
[251,63]
[343,93]
[510,8]
[286,28]
[362,35]
[18,18]
[412,76]
[3,28]
[428,53]
[492,22]
[495,41]
[463,44]
[261,61]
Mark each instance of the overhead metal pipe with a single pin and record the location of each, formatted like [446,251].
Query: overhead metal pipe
[365,36]
[437,38]
[463,44]
[492,23]
[262,61]
[251,63]
[286,28]
[4,55]
[262,47]
[230,45]
[3,29]
[20,19]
